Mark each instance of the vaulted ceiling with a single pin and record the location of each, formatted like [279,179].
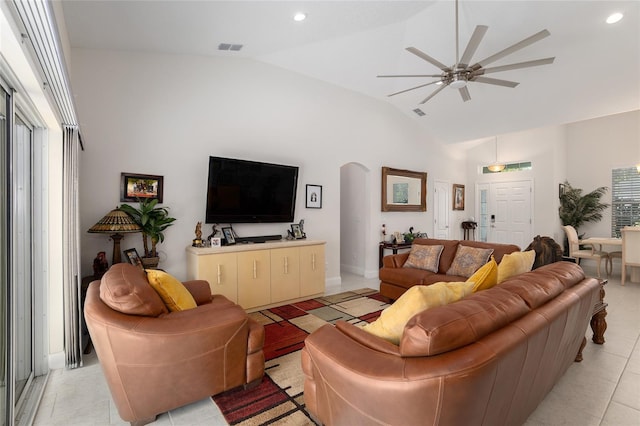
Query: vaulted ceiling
[596,71]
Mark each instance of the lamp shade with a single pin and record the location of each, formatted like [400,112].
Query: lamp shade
[116,223]
[496,167]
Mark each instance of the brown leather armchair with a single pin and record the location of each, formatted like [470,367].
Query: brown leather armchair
[155,360]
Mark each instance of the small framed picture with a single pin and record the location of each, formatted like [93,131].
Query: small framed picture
[229,235]
[458,197]
[297,231]
[215,241]
[314,197]
[133,258]
[134,186]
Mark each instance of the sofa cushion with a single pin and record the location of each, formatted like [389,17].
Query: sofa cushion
[424,257]
[124,288]
[390,324]
[499,250]
[174,294]
[515,263]
[468,260]
[485,277]
[448,253]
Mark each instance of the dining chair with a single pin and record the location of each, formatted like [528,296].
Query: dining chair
[630,249]
[586,253]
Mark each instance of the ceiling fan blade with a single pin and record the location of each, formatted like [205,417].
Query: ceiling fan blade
[435,92]
[410,75]
[519,65]
[472,46]
[413,88]
[428,58]
[513,48]
[495,81]
[464,92]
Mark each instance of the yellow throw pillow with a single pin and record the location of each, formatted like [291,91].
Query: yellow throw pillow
[174,294]
[485,277]
[390,324]
[515,263]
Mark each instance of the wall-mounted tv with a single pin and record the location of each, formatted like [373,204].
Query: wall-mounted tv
[241,191]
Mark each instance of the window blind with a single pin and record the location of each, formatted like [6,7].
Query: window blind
[625,199]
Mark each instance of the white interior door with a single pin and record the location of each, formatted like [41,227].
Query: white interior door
[441,207]
[504,212]
[510,213]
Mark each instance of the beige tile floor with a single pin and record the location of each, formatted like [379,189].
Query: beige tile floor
[604,389]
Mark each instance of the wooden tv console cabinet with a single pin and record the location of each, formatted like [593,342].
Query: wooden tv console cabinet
[262,275]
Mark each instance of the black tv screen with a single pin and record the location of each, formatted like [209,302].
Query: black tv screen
[241,191]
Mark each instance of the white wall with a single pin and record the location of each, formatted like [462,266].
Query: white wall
[594,148]
[165,114]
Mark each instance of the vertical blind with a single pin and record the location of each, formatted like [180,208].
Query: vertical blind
[625,199]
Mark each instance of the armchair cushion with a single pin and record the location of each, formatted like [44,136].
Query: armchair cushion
[174,294]
[468,260]
[418,298]
[515,263]
[125,289]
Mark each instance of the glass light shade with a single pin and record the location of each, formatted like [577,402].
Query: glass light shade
[496,167]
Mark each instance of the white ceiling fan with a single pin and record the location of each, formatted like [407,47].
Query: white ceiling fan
[461,73]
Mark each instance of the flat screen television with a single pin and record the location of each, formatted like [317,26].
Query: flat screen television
[241,191]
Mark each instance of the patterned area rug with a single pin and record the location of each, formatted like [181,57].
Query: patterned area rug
[279,400]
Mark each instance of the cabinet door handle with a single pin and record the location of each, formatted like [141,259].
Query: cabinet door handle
[255,269]
[313,261]
[219,274]
[286,265]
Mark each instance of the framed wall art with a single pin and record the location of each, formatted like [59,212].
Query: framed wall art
[314,197]
[458,197]
[134,186]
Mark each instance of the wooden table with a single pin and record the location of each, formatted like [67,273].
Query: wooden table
[598,322]
[390,246]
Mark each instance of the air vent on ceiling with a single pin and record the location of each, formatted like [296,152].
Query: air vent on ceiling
[229,46]
[419,112]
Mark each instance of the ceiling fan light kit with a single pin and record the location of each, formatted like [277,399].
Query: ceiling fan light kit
[461,73]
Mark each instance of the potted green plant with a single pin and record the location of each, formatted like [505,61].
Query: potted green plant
[577,209]
[153,221]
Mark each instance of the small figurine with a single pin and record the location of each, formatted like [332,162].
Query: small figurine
[384,232]
[100,265]
[214,231]
[197,242]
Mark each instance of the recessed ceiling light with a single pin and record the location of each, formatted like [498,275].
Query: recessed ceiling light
[299,16]
[614,17]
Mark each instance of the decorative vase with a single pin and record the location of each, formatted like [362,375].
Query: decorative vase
[150,262]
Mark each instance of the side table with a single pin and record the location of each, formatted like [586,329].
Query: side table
[390,246]
[598,322]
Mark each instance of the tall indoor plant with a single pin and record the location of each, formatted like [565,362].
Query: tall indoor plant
[154,221]
[577,209]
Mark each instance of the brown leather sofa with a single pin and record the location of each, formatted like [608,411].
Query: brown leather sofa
[155,360]
[395,280]
[488,359]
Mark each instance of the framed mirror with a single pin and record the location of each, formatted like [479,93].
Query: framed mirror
[403,190]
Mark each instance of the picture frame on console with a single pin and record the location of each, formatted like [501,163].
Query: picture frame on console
[134,186]
[296,229]
[458,197]
[133,257]
[314,197]
[229,235]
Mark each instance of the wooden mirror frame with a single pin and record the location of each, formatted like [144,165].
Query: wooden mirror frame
[390,207]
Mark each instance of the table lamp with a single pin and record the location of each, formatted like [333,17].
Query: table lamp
[116,223]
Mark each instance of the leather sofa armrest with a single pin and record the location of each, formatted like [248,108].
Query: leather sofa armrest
[200,291]
[367,339]
[395,260]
